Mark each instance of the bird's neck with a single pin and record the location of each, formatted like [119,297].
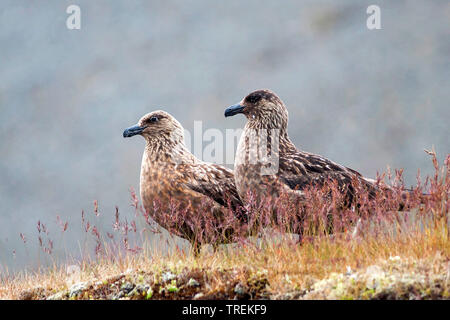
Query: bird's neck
[286,145]
[167,151]
[261,130]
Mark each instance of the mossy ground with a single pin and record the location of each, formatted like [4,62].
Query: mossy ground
[412,266]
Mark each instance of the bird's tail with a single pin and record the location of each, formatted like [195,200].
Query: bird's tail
[407,193]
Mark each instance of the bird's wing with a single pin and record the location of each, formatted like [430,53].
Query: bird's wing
[300,169]
[215,182]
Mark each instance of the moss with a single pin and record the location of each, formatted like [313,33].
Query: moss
[149,294]
[172,287]
[391,279]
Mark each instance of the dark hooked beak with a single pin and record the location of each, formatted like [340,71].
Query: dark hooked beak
[132,131]
[233,110]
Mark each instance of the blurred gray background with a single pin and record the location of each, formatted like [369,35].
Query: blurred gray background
[365,99]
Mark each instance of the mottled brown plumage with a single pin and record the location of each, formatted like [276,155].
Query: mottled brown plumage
[282,168]
[170,174]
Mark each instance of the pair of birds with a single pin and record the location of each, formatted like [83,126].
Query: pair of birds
[170,172]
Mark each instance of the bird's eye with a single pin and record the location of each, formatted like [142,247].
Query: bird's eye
[153,119]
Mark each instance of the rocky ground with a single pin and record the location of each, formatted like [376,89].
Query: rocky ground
[394,278]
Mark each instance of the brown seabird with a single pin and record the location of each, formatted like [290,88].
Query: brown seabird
[171,175]
[268,163]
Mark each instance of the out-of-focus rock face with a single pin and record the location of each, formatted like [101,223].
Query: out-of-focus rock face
[362,98]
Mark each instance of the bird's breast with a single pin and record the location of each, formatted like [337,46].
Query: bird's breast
[256,163]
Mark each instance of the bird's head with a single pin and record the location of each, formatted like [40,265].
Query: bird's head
[157,125]
[262,107]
